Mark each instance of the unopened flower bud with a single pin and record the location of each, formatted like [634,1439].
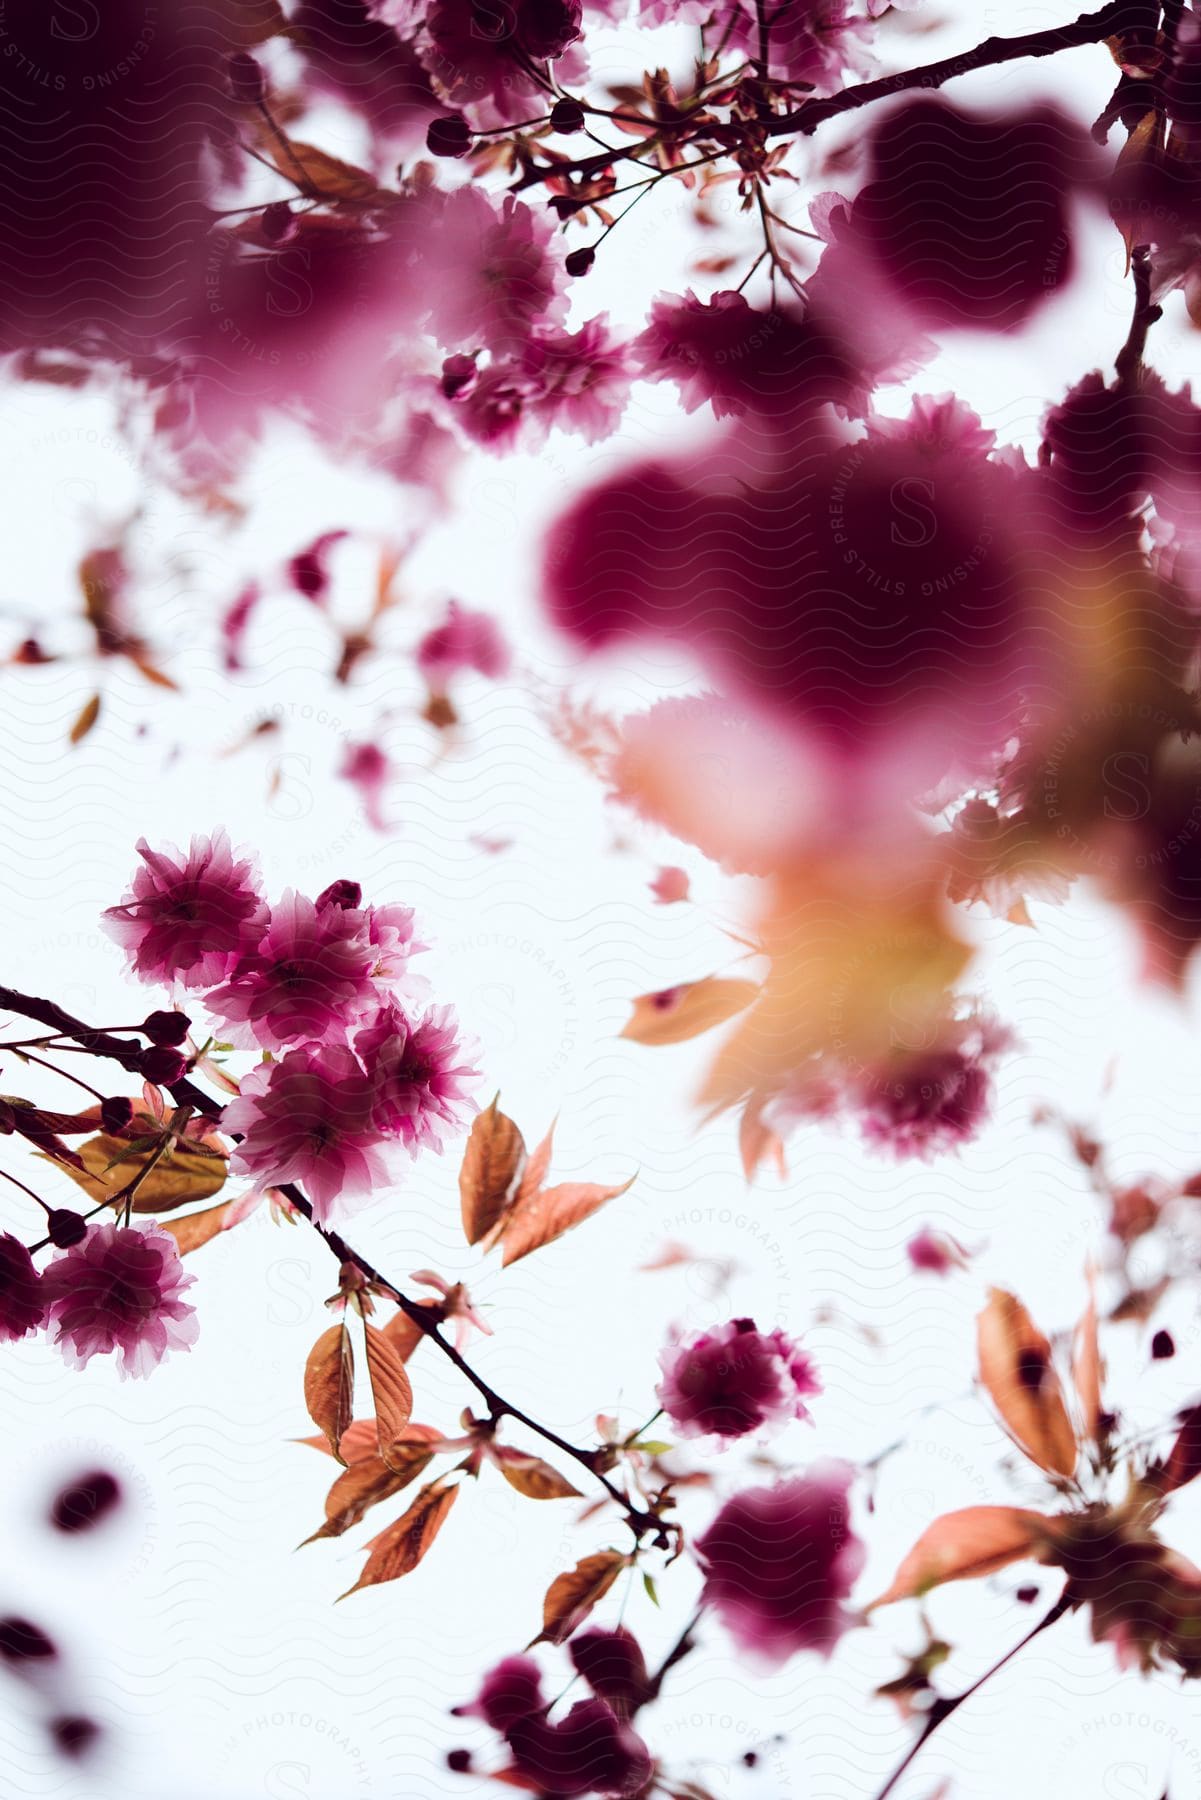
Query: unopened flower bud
[346,894]
[166,1028]
[567,115]
[245,78]
[580,261]
[448,136]
[116,1112]
[65,1228]
[161,1065]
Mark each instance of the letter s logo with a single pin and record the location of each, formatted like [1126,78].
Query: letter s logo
[1128,1781]
[75,23]
[1122,774]
[289,294]
[280,1785]
[912,503]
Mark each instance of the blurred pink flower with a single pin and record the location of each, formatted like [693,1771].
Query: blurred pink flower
[489,272]
[189,918]
[670,884]
[368,769]
[934,1253]
[308,1118]
[119,1289]
[310,977]
[419,1073]
[464,640]
[22,1302]
[734,1380]
[780,1561]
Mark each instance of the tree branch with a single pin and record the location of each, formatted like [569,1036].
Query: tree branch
[186,1093]
[942,1709]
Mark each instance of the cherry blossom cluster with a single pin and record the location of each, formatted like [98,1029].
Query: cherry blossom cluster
[355,1067]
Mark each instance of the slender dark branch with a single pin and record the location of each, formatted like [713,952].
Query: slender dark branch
[1129,360]
[1089,28]
[186,1093]
[942,1709]
[679,1650]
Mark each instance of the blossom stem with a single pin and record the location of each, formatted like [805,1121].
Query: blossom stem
[1129,360]
[186,1093]
[942,1709]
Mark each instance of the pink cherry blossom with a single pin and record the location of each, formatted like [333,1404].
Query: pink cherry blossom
[119,1290]
[420,1075]
[780,1561]
[489,60]
[22,1301]
[308,1118]
[464,640]
[670,885]
[489,272]
[734,1380]
[309,976]
[739,358]
[934,1252]
[368,769]
[189,918]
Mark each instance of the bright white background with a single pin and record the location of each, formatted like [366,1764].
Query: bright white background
[211,1649]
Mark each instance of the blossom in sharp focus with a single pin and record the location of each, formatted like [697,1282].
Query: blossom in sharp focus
[734,1380]
[308,1118]
[189,918]
[309,975]
[22,1301]
[780,1561]
[487,58]
[119,1290]
[420,1075]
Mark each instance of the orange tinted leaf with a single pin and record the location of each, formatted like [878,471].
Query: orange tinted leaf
[329,1384]
[492,1164]
[197,1228]
[317,173]
[531,1476]
[571,1597]
[1087,1367]
[391,1389]
[677,1013]
[549,1214]
[535,1171]
[88,715]
[757,1140]
[401,1547]
[365,1484]
[975,1541]
[191,1172]
[403,1335]
[1015,1367]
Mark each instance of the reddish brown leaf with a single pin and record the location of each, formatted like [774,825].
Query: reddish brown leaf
[675,1014]
[549,1214]
[1087,1367]
[401,1547]
[403,1335]
[88,715]
[366,1483]
[536,1168]
[197,1228]
[1184,1458]
[757,1140]
[1015,1367]
[492,1165]
[531,1476]
[392,1391]
[571,1597]
[975,1541]
[329,1384]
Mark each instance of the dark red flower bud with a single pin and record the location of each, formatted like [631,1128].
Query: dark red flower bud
[116,1112]
[65,1228]
[458,372]
[245,78]
[448,136]
[162,1066]
[167,1028]
[85,1502]
[73,1734]
[567,115]
[277,222]
[459,1761]
[347,894]
[580,261]
[1027,1595]
[22,1641]
[1162,1346]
